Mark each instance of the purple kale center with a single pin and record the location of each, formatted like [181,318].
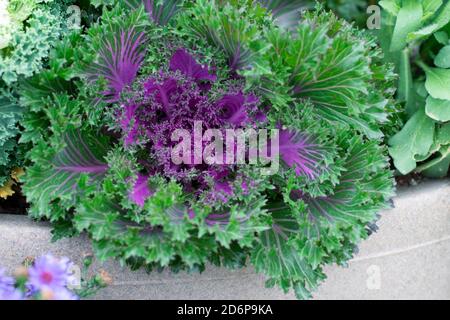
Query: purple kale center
[175,99]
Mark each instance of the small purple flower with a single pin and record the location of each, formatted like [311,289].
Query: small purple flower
[63,294]
[49,272]
[6,282]
[141,191]
[13,294]
[7,289]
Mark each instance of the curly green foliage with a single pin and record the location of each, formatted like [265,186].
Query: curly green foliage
[333,66]
[290,224]
[10,113]
[38,25]
[31,44]
[233,26]
[415,37]
[319,222]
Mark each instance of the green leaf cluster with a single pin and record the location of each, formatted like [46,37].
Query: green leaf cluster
[415,36]
[34,29]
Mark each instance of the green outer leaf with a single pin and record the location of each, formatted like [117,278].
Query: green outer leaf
[439,165]
[59,177]
[346,205]
[277,257]
[439,169]
[438,109]
[442,19]
[441,37]
[391,6]
[444,134]
[414,139]
[442,60]
[408,20]
[430,7]
[438,82]
[340,83]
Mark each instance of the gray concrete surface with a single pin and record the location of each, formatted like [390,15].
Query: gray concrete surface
[408,258]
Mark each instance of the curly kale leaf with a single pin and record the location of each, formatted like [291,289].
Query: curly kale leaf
[309,231]
[332,66]
[59,176]
[31,43]
[236,29]
[10,114]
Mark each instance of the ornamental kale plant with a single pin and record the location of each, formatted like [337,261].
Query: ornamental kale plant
[415,37]
[28,30]
[102,119]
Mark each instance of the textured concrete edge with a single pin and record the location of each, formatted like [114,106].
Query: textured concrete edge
[397,240]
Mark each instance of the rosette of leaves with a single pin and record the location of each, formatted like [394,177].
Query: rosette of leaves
[28,30]
[415,37]
[101,116]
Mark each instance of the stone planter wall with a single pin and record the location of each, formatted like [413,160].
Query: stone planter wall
[408,258]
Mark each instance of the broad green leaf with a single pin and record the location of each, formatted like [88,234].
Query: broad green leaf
[442,139]
[439,169]
[441,20]
[391,6]
[415,138]
[438,82]
[430,7]
[438,109]
[442,37]
[444,134]
[442,60]
[408,20]
[438,166]
[420,89]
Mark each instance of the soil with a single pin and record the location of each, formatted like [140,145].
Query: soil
[15,204]
[411,179]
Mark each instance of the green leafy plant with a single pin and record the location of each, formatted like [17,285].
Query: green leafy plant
[415,37]
[100,117]
[28,30]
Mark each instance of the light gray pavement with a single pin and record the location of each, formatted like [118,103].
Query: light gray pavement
[408,258]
